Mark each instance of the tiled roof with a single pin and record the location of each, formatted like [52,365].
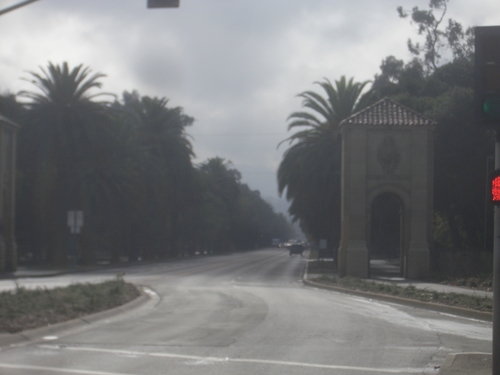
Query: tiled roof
[387,112]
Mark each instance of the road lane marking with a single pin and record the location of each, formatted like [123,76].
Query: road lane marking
[150,292]
[56,370]
[49,338]
[214,360]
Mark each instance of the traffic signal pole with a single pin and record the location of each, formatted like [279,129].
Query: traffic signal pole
[496,271]
[487,111]
[14,7]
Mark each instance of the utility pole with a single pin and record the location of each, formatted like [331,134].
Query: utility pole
[487,110]
[496,267]
[150,4]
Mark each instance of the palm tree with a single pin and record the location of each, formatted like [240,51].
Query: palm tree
[342,100]
[310,169]
[220,186]
[165,154]
[63,120]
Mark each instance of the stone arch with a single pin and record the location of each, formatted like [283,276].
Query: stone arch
[385,234]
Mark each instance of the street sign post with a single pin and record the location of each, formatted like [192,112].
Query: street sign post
[75,221]
[487,110]
[75,224]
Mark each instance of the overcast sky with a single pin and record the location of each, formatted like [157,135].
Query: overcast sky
[234,65]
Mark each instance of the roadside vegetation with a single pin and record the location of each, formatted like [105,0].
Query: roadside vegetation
[327,276]
[480,281]
[127,163]
[24,309]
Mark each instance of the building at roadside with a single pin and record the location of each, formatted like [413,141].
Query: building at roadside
[387,190]
[8,247]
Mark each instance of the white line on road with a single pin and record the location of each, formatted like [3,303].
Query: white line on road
[151,293]
[56,370]
[215,360]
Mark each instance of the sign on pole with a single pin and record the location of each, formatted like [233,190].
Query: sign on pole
[322,244]
[487,110]
[75,221]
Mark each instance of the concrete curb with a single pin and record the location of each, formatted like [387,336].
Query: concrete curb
[459,311]
[453,310]
[37,334]
[467,363]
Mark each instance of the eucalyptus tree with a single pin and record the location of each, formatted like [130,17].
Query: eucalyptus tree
[441,40]
[63,120]
[310,169]
[438,82]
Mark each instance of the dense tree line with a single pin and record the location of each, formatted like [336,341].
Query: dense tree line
[437,82]
[127,164]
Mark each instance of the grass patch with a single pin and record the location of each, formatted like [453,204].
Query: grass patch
[320,267]
[410,292]
[24,309]
[481,282]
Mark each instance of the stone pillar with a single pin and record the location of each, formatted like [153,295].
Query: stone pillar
[353,250]
[418,262]
[386,148]
[10,190]
[8,246]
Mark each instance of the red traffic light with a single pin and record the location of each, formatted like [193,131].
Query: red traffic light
[495,187]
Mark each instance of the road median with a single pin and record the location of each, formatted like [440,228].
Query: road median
[20,336]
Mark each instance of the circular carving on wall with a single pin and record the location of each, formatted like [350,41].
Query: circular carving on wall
[388,155]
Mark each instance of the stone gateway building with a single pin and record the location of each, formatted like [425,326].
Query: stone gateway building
[387,190]
[8,248]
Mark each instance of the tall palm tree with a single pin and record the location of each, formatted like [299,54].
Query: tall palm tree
[165,153]
[63,120]
[310,169]
[342,100]
[220,184]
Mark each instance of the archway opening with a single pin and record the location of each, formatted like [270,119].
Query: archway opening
[385,250]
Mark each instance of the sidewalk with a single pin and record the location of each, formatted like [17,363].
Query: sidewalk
[390,278]
[23,272]
[455,364]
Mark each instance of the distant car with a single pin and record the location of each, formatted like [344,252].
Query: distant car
[296,249]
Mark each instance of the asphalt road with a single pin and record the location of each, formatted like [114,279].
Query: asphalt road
[246,314]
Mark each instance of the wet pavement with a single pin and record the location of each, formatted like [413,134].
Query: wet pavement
[456,364]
